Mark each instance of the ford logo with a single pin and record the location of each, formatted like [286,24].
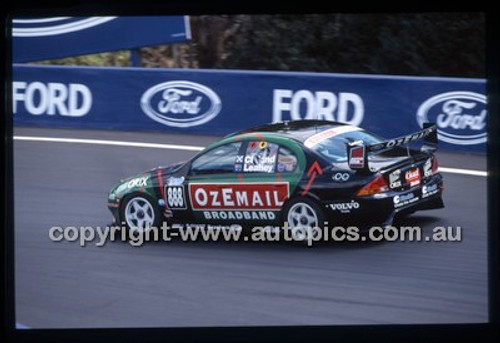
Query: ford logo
[460,117]
[181,103]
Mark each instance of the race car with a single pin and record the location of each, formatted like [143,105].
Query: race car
[307,173]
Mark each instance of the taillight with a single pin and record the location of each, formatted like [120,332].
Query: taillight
[434,165]
[378,185]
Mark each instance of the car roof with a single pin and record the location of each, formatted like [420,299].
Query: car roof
[298,130]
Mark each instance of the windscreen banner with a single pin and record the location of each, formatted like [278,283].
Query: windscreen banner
[219,102]
[37,39]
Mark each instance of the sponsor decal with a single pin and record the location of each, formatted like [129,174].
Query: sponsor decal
[428,168]
[460,117]
[138,182]
[167,213]
[285,167]
[52,26]
[404,199]
[239,215]
[175,197]
[121,188]
[412,177]
[260,157]
[238,196]
[238,167]
[341,177]
[303,104]
[356,158]
[344,207]
[286,163]
[287,159]
[175,181]
[207,227]
[323,135]
[429,190]
[38,98]
[181,103]
[395,179]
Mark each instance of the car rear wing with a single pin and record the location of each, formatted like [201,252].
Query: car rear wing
[357,152]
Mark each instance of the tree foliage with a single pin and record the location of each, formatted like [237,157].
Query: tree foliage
[432,44]
[109,59]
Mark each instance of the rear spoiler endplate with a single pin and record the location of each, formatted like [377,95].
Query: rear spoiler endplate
[357,152]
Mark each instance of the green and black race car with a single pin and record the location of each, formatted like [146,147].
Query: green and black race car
[300,172]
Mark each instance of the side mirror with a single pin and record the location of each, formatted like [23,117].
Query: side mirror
[356,156]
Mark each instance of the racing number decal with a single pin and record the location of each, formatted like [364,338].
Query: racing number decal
[175,197]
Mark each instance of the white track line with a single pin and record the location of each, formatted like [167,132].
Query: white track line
[108,142]
[187,147]
[463,171]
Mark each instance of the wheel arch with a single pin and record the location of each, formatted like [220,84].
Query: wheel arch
[297,196]
[152,199]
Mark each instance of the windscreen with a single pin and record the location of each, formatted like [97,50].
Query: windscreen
[334,149]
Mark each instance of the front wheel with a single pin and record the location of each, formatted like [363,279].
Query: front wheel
[139,213]
[304,218]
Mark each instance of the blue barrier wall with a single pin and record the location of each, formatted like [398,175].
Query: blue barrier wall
[219,102]
[37,38]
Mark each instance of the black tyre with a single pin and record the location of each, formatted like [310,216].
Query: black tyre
[139,212]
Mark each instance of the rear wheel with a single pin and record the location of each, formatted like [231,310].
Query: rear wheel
[304,218]
[139,213]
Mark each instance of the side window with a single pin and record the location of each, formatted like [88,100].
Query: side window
[287,161]
[259,157]
[219,160]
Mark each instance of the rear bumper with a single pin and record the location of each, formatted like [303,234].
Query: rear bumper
[380,209]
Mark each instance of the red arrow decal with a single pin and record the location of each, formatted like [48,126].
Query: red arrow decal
[313,170]
[162,190]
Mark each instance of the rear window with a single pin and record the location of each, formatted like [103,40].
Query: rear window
[334,149]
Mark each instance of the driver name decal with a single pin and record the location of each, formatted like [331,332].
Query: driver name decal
[260,157]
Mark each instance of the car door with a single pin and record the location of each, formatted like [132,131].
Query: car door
[242,182]
[273,170]
[208,180]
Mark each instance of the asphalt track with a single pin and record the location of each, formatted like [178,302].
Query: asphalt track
[178,284]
